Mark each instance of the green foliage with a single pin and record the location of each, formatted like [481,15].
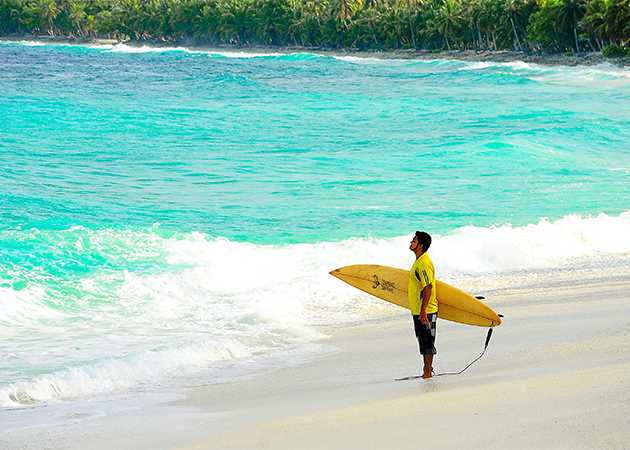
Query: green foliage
[558,25]
[617,20]
[541,24]
[11,15]
[613,51]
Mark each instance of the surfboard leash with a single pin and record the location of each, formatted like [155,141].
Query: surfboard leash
[485,347]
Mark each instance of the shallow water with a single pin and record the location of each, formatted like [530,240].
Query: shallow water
[163,210]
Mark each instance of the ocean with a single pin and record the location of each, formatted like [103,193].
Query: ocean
[169,216]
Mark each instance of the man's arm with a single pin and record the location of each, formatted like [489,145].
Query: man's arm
[426,295]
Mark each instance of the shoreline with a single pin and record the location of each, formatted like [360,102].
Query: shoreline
[559,358]
[543,367]
[494,56]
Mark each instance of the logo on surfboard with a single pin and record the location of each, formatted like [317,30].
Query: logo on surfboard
[385,285]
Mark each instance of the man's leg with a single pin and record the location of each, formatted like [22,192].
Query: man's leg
[428,366]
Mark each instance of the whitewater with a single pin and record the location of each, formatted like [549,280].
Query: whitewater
[169,216]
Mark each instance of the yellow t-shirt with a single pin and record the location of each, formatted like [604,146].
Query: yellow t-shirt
[421,275]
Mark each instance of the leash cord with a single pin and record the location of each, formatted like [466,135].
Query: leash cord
[478,358]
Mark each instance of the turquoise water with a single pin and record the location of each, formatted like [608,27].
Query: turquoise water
[303,148]
[163,210]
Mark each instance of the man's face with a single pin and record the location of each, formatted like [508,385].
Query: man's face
[414,244]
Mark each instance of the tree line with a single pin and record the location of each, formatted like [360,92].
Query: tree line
[521,25]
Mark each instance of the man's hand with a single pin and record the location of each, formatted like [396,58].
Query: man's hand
[423,317]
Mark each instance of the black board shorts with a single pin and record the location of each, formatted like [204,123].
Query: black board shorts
[426,334]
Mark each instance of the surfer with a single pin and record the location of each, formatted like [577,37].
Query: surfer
[422,299]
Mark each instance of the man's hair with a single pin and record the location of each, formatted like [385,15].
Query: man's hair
[424,239]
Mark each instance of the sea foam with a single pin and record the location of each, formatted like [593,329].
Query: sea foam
[547,244]
[177,303]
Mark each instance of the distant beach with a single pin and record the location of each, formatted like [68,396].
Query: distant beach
[547,59]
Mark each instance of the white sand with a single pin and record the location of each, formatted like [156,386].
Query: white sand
[556,375]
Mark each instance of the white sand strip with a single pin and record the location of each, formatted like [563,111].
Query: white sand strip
[556,375]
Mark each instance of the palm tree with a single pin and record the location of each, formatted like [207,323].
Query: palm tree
[41,16]
[468,11]
[513,8]
[411,27]
[448,20]
[234,28]
[594,21]
[344,10]
[186,18]
[269,21]
[570,14]
[205,23]
[618,20]
[306,25]
[486,17]
[77,15]
[129,12]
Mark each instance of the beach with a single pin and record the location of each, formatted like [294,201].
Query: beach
[171,217]
[556,374]
[496,56]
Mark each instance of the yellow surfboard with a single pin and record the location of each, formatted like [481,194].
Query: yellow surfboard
[390,284]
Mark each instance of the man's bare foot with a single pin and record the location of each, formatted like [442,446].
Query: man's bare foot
[427,369]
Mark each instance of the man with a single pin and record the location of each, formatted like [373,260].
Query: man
[422,299]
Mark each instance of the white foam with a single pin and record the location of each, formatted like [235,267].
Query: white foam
[245,54]
[133,49]
[505,249]
[369,60]
[208,299]
[27,306]
[125,48]
[33,43]
[150,366]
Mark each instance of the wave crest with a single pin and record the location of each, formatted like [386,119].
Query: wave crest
[127,307]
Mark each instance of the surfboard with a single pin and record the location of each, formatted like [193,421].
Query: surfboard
[390,284]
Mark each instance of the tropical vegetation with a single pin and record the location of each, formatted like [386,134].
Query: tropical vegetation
[522,25]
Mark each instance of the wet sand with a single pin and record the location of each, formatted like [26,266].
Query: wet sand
[556,375]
